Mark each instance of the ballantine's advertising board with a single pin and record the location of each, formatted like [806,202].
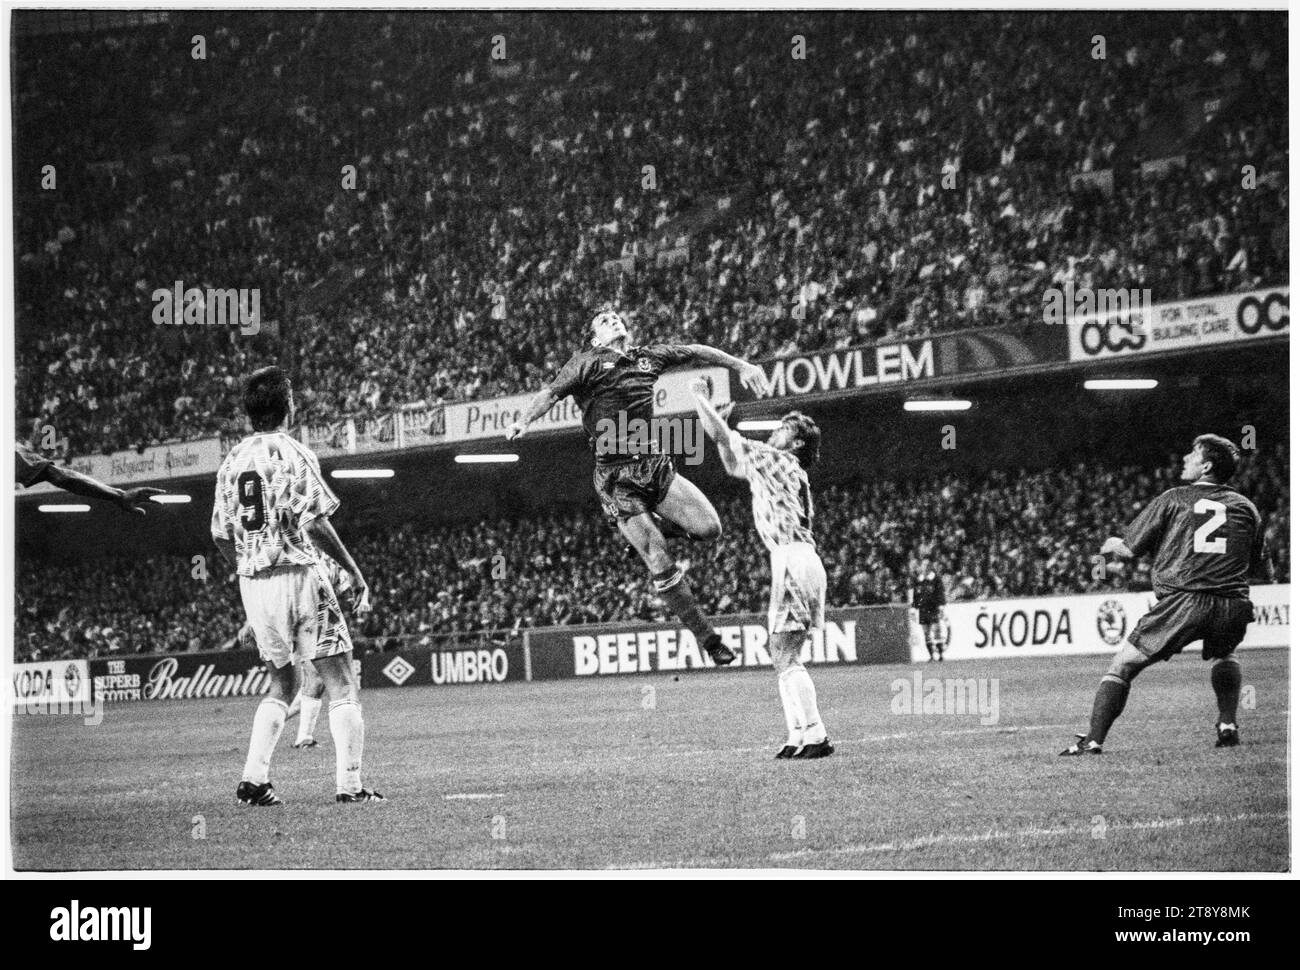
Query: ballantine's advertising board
[181,676]
[1088,623]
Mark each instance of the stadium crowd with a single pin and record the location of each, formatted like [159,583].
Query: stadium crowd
[911,173]
[1006,533]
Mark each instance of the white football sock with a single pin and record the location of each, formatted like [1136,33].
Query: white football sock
[268,722]
[294,706]
[307,722]
[804,695]
[792,728]
[349,732]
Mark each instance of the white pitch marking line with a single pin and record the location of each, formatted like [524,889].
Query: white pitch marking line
[991,835]
[964,839]
[473,795]
[991,729]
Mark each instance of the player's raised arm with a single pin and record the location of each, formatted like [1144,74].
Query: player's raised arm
[571,377]
[750,374]
[542,401]
[128,500]
[715,426]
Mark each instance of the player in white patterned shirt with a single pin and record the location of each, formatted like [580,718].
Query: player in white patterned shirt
[782,501]
[271,520]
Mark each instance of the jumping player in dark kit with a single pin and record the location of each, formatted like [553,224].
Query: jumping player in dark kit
[1206,541]
[638,487]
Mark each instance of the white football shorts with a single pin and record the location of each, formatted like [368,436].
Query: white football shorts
[798,600]
[294,614]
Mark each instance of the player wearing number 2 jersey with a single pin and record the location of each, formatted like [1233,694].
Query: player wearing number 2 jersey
[1205,541]
[271,520]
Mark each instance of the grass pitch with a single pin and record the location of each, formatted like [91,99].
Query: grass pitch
[660,772]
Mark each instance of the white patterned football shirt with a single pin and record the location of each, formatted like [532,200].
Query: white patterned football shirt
[268,489]
[782,498]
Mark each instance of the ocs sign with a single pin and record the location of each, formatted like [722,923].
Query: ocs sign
[1096,336]
[1272,313]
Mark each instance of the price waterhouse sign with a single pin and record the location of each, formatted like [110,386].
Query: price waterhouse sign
[488,419]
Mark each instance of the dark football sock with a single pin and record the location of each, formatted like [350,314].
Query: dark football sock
[676,592]
[1225,678]
[1108,705]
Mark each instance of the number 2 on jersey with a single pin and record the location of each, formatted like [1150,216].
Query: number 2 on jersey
[249,486]
[1201,541]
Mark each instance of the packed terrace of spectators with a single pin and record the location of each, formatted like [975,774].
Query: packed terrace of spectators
[491,196]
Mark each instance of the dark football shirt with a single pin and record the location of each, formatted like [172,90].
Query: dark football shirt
[929,595]
[1205,538]
[606,383]
[29,466]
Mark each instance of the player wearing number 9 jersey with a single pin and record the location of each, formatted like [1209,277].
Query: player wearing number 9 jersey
[269,489]
[1205,540]
[270,519]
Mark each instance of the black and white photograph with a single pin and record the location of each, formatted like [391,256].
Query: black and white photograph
[559,442]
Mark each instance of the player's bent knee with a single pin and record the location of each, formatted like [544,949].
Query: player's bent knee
[1127,664]
[709,531]
[1122,672]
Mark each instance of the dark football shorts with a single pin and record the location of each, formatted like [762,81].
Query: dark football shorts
[633,487]
[930,616]
[1182,618]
